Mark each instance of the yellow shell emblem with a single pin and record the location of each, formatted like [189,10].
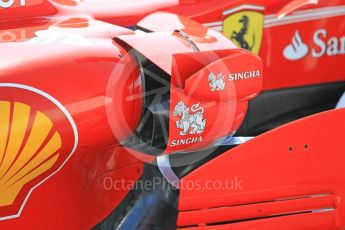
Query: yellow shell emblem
[29,146]
[245,29]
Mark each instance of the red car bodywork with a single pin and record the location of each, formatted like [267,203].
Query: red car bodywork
[69,60]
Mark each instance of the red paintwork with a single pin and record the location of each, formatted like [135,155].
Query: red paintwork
[292,174]
[61,125]
[91,76]
[295,5]
[314,221]
[221,107]
[59,70]
[112,175]
[324,69]
[280,73]
[237,61]
[256,210]
[190,76]
[308,70]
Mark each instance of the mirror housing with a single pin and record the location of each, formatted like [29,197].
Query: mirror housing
[236,77]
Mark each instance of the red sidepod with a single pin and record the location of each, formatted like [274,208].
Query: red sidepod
[297,178]
[78,82]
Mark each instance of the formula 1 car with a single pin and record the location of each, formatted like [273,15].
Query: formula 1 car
[172,114]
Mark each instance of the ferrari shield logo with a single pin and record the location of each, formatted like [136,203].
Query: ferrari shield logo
[245,29]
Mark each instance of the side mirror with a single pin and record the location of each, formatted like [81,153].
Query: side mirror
[209,96]
[236,77]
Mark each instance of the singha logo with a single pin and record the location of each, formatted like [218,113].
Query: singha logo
[216,83]
[239,36]
[190,123]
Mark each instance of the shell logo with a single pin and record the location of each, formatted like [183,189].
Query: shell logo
[37,137]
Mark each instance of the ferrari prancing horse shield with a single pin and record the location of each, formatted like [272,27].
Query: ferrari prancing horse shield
[245,29]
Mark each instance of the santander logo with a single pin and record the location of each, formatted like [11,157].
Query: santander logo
[297,49]
[322,45]
[10,3]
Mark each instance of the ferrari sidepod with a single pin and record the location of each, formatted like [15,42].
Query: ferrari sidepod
[291,176]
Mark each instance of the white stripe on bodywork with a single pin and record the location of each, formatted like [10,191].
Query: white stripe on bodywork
[304,15]
[164,166]
[299,16]
[341,102]
[229,141]
[243,7]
